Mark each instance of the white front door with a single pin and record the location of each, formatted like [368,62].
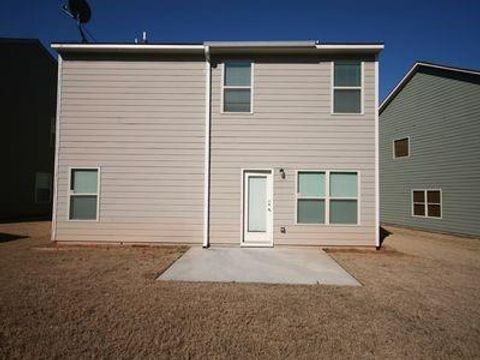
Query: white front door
[257,208]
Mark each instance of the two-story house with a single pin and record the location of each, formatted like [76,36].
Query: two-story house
[218,143]
[28,85]
[429,150]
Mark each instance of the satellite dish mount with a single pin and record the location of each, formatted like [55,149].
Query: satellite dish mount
[79,10]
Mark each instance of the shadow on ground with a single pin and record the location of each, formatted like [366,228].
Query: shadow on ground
[384,233]
[4,237]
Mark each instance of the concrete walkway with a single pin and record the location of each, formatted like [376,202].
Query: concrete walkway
[255,265]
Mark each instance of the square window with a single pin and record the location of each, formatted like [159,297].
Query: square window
[427,203]
[347,101]
[343,184]
[83,207]
[236,100]
[434,210]
[311,184]
[343,211]
[347,73]
[237,73]
[419,196]
[311,211]
[401,148]
[433,196]
[419,209]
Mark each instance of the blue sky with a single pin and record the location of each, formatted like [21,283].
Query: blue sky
[442,31]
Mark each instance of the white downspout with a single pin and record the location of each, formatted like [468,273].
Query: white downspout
[377,158]
[206,187]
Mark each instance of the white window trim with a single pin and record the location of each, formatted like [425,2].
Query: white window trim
[71,193]
[426,204]
[393,147]
[327,197]
[251,88]
[37,201]
[333,88]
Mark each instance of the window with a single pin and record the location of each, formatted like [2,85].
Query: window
[347,87]
[43,188]
[84,194]
[316,205]
[237,86]
[427,203]
[401,148]
[311,198]
[343,198]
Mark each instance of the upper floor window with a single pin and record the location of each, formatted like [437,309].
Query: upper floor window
[347,87]
[401,148]
[237,86]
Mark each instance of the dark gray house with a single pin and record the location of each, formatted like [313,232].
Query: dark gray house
[430,150]
[28,103]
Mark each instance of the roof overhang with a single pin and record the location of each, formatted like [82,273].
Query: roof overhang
[224,47]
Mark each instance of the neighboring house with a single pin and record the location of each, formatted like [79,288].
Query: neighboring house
[430,150]
[240,143]
[28,89]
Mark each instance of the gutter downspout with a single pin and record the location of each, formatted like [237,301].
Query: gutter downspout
[57,148]
[206,187]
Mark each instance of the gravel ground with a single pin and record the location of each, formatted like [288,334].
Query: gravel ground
[420,300]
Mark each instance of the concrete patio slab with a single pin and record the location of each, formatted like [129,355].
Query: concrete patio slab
[257,265]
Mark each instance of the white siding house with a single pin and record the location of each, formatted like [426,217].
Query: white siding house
[243,143]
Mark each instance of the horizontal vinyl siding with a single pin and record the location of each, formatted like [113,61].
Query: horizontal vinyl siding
[441,116]
[291,128]
[142,123]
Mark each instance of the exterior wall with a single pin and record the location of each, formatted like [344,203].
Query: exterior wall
[27,101]
[291,128]
[441,116]
[141,120]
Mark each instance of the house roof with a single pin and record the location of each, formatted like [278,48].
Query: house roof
[441,70]
[30,42]
[219,47]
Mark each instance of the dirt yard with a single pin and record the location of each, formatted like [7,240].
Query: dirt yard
[420,300]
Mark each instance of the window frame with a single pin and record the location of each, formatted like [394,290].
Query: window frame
[37,201]
[333,88]
[425,194]
[327,196]
[393,147]
[70,192]
[224,87]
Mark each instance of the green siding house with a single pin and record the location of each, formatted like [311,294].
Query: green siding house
[430,150]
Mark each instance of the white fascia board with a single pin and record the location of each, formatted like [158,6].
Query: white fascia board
[367,47]
[259,44]
[400,84]
[127,47]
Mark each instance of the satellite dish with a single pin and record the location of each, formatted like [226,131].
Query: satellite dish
[80,11]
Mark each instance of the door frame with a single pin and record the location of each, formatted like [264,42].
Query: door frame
[268,171]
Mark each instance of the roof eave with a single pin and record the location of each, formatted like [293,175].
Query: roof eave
[222,47]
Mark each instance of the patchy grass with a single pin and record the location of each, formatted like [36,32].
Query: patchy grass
[84,302]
